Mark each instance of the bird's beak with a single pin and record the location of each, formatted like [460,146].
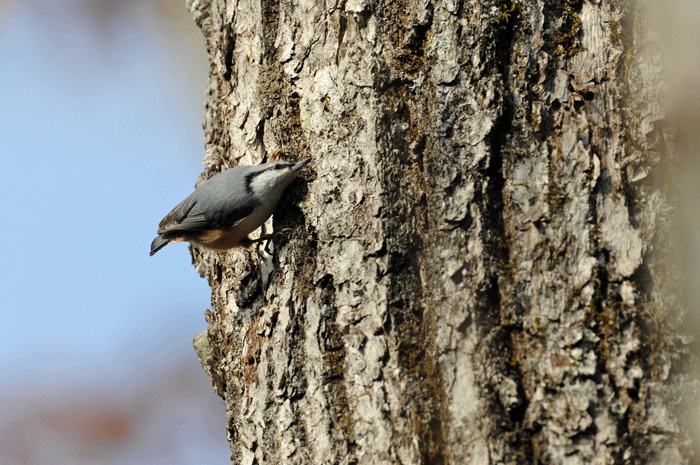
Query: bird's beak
[300,165]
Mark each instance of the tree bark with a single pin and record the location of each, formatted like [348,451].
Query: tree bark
[470,278]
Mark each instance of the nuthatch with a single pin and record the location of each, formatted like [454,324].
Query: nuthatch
[227,207]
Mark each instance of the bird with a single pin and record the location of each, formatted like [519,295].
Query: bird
[226,208]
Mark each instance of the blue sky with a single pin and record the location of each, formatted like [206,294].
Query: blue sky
[101,129]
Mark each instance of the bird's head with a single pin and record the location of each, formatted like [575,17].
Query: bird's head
[270,179]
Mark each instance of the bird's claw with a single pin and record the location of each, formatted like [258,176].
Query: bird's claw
[270,237]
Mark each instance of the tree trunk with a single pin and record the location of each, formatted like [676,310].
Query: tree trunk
[470,278]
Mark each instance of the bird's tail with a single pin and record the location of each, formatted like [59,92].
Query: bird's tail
[158,243]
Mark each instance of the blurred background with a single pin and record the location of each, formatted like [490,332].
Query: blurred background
[101,112]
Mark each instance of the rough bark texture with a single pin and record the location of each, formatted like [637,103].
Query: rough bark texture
[470,278]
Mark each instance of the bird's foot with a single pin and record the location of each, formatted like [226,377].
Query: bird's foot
[270,237]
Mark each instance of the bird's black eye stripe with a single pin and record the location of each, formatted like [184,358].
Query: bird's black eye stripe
[248,181]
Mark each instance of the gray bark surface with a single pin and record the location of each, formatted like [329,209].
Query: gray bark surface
[471,277]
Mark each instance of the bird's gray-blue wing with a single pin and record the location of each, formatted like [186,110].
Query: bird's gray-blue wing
[215,205]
